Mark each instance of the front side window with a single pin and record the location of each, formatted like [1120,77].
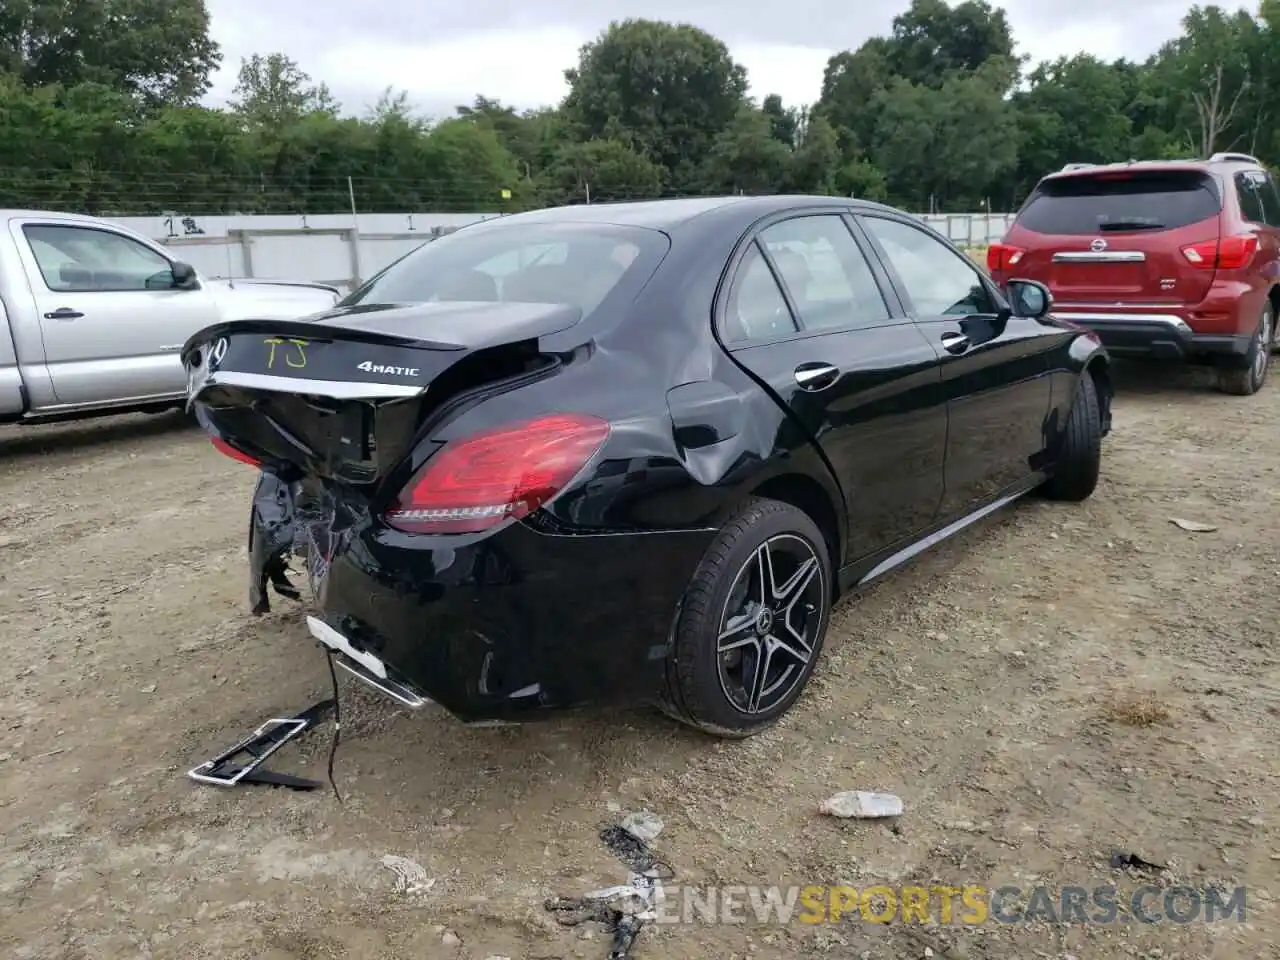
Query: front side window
[87,260]
[578,264]
[826,274]
[937,279]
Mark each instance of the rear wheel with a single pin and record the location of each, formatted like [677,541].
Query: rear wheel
[1247,379]
[1080,460]
[752,624]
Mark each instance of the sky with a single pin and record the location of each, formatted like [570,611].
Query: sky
[443,54]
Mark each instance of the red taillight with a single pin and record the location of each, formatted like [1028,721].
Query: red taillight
[223,447]
[1001,256]
[1229,253]
[480,481]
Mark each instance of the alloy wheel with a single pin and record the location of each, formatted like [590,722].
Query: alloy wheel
[1262,355]
[769,627]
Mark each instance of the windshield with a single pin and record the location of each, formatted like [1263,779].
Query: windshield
[578,264]
[1138,201]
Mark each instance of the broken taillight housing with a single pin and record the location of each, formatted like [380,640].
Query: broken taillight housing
[477,482]
[1002,256]
[223,447]
[1229,253]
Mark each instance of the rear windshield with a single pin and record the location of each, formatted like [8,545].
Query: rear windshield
[578,264]
[1127,201]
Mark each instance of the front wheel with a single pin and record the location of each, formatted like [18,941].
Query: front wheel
[1247,380]
[1075,474]
[752,624]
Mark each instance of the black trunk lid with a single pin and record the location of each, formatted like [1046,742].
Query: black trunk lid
[341,397]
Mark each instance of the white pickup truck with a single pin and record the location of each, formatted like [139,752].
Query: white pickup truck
[94,316]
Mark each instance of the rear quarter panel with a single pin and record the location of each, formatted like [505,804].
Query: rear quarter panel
[692,434]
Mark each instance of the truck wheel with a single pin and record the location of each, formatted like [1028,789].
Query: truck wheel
[1076,473]
[1247,380]
[751,627]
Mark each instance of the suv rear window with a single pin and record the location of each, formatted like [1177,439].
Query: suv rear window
[1162,200]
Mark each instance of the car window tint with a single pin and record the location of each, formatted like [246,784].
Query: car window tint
[1128,200]
[1249,189]
[937,278]
[757,310]
[555,263]
[1274,193]
[829,279]
[1267,193]
[84,260]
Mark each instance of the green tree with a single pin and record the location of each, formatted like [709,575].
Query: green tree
[926,145]
[784,122]
[815,164]
[746,157]
[1073,111]
[932,40]
[1213,81]
[851,84]
[667,90]
[158,50]
[273,90]
[600,170]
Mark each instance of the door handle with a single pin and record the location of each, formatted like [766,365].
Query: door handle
[63,313]
[955,342]
[816,376]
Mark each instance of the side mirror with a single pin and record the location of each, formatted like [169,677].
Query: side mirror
[1029,298]
[184,275]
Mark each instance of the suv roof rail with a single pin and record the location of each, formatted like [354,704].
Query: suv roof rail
[1076,166]
[1229,157]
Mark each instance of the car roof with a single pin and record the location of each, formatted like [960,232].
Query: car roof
[19,214]
[672,214]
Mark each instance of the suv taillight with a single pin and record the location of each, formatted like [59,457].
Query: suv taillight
[479,481]
[1002,256]
[1229,253]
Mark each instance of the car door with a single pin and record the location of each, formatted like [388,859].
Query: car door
[995,367]
[111,320]
[808,316]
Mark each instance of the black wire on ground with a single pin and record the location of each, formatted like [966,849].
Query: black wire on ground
[337,724]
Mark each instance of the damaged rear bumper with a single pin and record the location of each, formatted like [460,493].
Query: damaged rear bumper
[498,627]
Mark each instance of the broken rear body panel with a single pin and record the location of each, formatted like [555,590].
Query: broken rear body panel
[571,604]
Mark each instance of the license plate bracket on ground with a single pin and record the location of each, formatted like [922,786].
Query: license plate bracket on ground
[240,763]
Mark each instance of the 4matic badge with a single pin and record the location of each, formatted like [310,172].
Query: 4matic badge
[370,367]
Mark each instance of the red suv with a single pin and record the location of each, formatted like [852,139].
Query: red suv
[1171,259]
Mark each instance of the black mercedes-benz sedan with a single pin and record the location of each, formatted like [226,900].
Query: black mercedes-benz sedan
[636,451]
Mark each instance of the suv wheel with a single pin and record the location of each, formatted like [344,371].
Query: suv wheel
[751,627]
[1247,379]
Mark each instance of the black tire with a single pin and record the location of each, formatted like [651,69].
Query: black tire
[1246,380]
[699,689]
[1076,473]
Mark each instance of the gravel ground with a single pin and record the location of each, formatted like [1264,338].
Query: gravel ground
[1059,683]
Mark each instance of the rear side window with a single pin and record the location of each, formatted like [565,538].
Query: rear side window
[1163,200]
[578,264]
[1257,197]
[756,310]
